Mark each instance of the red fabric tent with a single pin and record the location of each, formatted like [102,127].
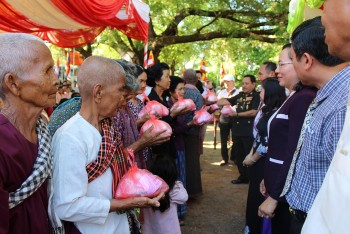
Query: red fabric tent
[73,23]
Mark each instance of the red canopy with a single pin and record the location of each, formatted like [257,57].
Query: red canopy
[73,23]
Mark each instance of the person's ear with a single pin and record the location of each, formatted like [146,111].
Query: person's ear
[307,61]
[11,84]
[98,92]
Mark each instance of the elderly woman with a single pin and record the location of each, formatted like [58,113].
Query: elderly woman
[127,117]
[192,137]
[27,86]
[89,157]
[158,77]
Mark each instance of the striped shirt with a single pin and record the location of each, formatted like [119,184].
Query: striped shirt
[321,138]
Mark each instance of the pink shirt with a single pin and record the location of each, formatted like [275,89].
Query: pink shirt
[167,221]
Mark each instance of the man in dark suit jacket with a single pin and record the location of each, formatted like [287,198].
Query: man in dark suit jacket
[247,103]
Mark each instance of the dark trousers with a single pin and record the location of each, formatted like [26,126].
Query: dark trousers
[225,129]
[255,198]
[296,226]
[241,147]
[193,171]
[282,219]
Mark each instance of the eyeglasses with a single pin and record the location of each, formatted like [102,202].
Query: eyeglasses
[280,64]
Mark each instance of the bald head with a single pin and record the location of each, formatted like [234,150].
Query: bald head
[190,76]
[18,52]
[98,70]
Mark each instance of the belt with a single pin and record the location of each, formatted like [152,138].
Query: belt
[298,215]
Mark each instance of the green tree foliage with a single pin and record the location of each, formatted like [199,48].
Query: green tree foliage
[239,33]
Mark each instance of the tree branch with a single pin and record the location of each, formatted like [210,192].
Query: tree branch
[211,22]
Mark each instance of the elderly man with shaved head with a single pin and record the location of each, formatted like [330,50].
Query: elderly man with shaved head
[89,158]
[27,86]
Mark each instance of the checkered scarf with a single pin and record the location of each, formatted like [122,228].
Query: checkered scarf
[42,170]
[111,154]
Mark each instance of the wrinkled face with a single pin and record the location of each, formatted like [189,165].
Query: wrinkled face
[38,86]
[335,19]
[286,74]
[247,85]
[164,82]
[113,96]
[180,90]
[262,73]
[142,82]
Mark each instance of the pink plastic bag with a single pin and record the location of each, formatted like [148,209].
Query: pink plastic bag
[227,110]
[154,108]
[214,107]
[140,183]
[183,103]
[210,97]
[202,117]
[158,126]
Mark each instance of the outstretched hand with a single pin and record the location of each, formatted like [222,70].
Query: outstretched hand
[135,202]
[149,138]
[177,111]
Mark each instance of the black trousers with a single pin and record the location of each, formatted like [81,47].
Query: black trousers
[296,225]
[241,147]
[255,198]
[281,221]
[225,129]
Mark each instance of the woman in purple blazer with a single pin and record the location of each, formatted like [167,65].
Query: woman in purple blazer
[284,130]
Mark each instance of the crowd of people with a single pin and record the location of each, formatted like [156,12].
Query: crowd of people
[59,171]
[292,134]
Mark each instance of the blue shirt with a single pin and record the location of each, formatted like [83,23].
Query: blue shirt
[320,141]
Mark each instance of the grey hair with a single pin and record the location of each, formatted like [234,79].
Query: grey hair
[17,55]
[190,76]
[130,74]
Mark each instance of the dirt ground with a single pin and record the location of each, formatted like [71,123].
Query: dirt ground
[221,208]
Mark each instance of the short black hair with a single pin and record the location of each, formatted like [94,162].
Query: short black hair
[309,38]
[199,86]
[155,73]
[270,66]
[174,81]
[251,77]
[164,166]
